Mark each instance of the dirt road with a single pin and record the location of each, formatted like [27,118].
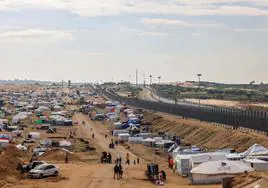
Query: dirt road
[85,175]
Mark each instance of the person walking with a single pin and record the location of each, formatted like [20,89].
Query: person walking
[120,171]
[127,159]
[66,158]
[116,171]
[171,163]
[109,158]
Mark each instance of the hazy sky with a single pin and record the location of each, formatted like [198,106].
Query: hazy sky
[89,40]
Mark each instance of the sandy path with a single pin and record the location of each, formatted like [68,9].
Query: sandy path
[99,176]
[83,175]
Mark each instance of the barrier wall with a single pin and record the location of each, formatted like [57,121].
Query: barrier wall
[255,120]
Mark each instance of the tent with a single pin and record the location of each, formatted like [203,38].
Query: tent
[39,122]
[148,141]
[255,150]
[123,136]
[215,171]
[165,144]
[135,140]
[65,143]
[258,165]
[198,159]
[182,164]
[21,147]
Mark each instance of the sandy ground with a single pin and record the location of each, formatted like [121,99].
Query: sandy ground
[145,94]
[90,175]
[226,103]
[203,134]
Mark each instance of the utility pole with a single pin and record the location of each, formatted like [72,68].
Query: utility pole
[151,89]
[199,78]
[137,78]
[144,84]
[176,94]
[159,78]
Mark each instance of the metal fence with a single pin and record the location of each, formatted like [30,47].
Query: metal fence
[250,119]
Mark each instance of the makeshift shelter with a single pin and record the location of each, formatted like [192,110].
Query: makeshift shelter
[165,144]
[185,151]
[117,132]
[65,143]
[257,164]
[21,147]
[234,156]
[215,171]
[118,125]
[255,150]
[4,143]
[198,159]
[182,164]
[131,116]
[34,135]
[123,136]
[148,141]
[144,135]
[135,140]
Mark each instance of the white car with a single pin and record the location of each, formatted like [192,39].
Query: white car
[44,170]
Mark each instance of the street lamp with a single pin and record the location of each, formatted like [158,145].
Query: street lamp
[159,78]
[150,80]
[199,78]
[144,83]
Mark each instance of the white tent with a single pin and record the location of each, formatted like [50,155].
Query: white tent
[198,159]
[182,164]
[257,164]
[255,150]
[21,147]
[148,141]
[123,136]
[214,171]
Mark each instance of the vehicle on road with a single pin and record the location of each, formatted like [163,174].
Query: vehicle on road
[44,170]
[32,165]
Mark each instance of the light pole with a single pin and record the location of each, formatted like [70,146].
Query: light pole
[199,78]
[151,89]
[144,84]
[150,80]
[159,78]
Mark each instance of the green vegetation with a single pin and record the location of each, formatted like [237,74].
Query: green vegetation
[215,91]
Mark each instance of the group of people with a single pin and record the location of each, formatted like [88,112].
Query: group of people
[134,162]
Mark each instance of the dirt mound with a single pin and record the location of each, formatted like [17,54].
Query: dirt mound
[58,155]
[202,134]
[10,157]
[245,179]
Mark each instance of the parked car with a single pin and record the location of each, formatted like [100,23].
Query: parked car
[44,170]
[98,117]
[32,165]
